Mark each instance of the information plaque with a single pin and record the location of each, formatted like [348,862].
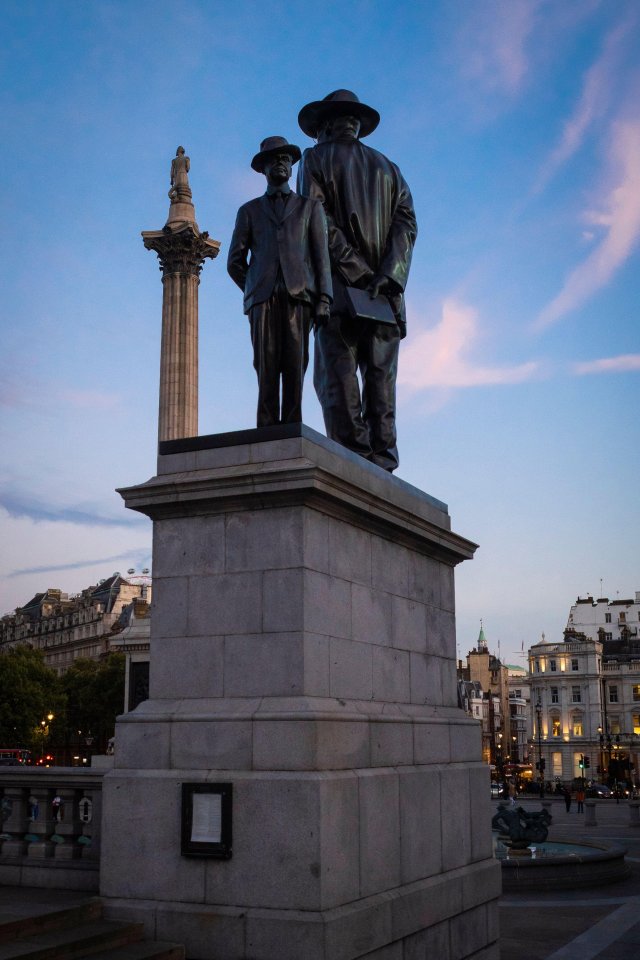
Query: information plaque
[206,820]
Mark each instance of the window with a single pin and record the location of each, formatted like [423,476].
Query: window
[607,618]
[614,725]
[623,618]
[552,666]
[608,636]
[576,725]
[613,694]
[537,666]
[575,695]
[555,727]
[518,693]
[636,722]
[555,698]
[636,691]
[556,764]
[574,663]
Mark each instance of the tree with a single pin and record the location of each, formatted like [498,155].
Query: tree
[95,697]
[29,691]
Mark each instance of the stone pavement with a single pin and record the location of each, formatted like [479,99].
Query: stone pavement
[602,923]
[598,924]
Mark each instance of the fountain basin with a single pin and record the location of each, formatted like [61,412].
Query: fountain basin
[561,863]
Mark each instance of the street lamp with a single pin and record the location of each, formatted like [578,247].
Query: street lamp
[605,752]
[541,762]
[45,731]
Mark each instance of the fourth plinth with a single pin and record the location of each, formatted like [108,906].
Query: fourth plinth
[303,652]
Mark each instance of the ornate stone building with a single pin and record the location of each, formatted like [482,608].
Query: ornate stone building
[585,690]
[83,625]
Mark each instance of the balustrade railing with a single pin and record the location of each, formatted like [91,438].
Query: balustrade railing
[50,826]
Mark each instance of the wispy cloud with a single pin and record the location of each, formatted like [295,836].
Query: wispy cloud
[619,215]
[594,101]
[441,357]
[90,399]
[626,363]
[29,393]
[495,43]
[33,509]
[141,556]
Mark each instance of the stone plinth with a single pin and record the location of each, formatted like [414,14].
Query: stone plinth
[302,649]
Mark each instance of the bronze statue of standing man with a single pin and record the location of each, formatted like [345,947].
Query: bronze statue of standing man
[372,231]
[286,282]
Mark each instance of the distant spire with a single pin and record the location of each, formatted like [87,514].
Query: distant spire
[482,640]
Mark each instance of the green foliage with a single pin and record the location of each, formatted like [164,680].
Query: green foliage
[95,696]
[29,690]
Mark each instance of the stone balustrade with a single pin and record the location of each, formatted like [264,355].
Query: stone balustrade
[50,827]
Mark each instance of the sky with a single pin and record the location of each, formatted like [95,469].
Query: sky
[517,126]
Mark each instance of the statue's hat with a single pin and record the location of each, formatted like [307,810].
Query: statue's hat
[340,103]
[272,146]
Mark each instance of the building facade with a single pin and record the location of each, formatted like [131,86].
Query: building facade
[585,694]
[85,625]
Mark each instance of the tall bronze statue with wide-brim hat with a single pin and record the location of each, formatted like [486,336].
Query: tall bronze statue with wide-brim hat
[286,281]
[372,231]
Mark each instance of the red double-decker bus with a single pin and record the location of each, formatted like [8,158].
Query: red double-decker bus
[14,757]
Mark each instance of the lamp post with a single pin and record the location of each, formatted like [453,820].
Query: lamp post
[44,725]
[605,752]
[541,762]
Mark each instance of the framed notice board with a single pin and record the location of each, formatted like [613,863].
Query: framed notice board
[207,820]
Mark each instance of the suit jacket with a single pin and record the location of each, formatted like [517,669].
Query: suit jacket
[370,214]
[297,244]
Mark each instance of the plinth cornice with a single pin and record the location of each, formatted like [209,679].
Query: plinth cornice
[324,482]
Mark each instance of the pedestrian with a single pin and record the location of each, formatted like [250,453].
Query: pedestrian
[512,793]
[580,799]
[567,798]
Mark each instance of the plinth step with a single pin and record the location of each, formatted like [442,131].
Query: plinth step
[73,943]
[23,925]
[100,939]
[145,950]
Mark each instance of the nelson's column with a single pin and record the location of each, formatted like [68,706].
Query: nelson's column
[182,250]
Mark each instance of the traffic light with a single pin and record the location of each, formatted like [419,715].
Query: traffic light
[587,763]
[581,762]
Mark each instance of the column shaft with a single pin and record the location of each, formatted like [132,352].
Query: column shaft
[178,409]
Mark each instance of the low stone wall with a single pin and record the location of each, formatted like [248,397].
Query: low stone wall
[50,827]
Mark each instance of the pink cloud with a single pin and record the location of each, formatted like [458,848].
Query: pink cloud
[496,39]
[440,357]
[620,217]
[626,363]
[595,98]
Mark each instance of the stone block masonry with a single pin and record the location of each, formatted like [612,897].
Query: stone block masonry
[303,649]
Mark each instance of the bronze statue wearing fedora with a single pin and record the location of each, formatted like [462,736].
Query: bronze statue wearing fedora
[286,281]
[372,231]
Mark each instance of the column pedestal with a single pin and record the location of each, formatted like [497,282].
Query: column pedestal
[303,650]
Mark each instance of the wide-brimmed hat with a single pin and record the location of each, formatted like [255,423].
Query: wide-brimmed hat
[340,103]
[271,146]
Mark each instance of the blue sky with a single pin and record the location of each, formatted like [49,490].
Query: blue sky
[517,125]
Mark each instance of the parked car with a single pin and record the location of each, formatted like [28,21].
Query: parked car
[599,791]
[497,790]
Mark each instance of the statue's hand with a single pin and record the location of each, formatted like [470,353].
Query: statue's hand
[378,284]
[322,313]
